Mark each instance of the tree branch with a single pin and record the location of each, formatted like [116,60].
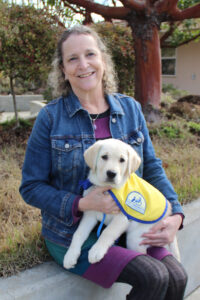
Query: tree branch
[114,3]
[166,45]
[134,4]
[88,18]
[103,10]
[55,17]
[188,13]
[167,33]
[166,5]
[72,8]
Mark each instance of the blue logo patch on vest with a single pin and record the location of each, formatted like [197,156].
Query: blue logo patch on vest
[136,201]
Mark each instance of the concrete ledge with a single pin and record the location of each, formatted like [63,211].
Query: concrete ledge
[23,102]
[35,107]
[189,244]
[49,281]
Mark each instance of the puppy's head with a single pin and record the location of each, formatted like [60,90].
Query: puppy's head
[111,162]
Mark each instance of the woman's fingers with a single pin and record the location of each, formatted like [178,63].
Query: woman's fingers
[100,200]
[163,232]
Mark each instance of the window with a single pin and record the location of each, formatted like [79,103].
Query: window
[168,61]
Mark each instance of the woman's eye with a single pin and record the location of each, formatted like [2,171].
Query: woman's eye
[72,58]
[90,54]
[104,157]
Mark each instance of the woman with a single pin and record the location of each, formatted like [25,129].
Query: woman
[88,110]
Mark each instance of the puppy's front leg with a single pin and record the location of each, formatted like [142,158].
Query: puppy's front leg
[86,225]
[111,233]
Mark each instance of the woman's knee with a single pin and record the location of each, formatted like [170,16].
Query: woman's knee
[153,274]
[149,278]
[182,278]
[175,269]
[159,276]
[177,276]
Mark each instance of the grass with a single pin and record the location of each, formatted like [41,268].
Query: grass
[23,123]
[172,93]
[181,161]
[21,245]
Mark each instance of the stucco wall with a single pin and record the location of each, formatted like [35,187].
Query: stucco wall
[187,69]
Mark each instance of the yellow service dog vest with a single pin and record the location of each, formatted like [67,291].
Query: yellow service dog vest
[140,201]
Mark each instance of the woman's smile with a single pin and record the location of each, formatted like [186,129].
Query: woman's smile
[86,75]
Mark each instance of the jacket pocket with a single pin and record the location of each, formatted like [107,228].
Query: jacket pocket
[135,139]
[67,156]
[58,227]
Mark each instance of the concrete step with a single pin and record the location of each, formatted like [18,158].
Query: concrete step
[195,295]
[189,244]
[50,282]
[35,107]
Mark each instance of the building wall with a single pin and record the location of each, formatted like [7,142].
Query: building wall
[187,69]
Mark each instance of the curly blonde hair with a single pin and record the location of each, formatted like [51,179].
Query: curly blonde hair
[57,81]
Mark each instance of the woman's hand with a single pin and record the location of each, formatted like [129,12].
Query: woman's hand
[162,233]
[99,200]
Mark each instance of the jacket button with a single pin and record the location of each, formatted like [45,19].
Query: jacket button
[66,146]
[139,140]
[114,120]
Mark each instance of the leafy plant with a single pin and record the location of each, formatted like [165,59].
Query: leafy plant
[47,94]
[27,40]
[22,123]
[119,40]
[194,128]
[169,131]
[174,92]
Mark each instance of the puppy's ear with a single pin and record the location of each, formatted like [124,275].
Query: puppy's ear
[91,155]
[134,160]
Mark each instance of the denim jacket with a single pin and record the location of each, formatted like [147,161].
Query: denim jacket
[54,162]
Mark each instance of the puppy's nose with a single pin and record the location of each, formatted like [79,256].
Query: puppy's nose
[111,174]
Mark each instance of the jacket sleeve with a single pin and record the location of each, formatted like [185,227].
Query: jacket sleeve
[153,171]
[36,188]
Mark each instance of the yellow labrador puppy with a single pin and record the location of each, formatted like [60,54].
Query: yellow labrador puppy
[112,163]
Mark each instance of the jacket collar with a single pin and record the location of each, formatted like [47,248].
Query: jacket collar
[73,104]
[114,104]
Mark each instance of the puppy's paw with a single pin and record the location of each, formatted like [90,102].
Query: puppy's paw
[96,254]
[70,258]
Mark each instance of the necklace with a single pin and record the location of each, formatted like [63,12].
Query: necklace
[93,121]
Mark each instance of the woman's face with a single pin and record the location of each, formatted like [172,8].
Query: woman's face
[83,64]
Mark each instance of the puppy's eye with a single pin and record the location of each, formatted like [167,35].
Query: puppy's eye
[122,160]
[104,157]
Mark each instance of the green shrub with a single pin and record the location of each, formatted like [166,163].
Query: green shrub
[167,87]
[118,39]
[174,92]
[47,94]
[169,131]
[22,122]
[194,127]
